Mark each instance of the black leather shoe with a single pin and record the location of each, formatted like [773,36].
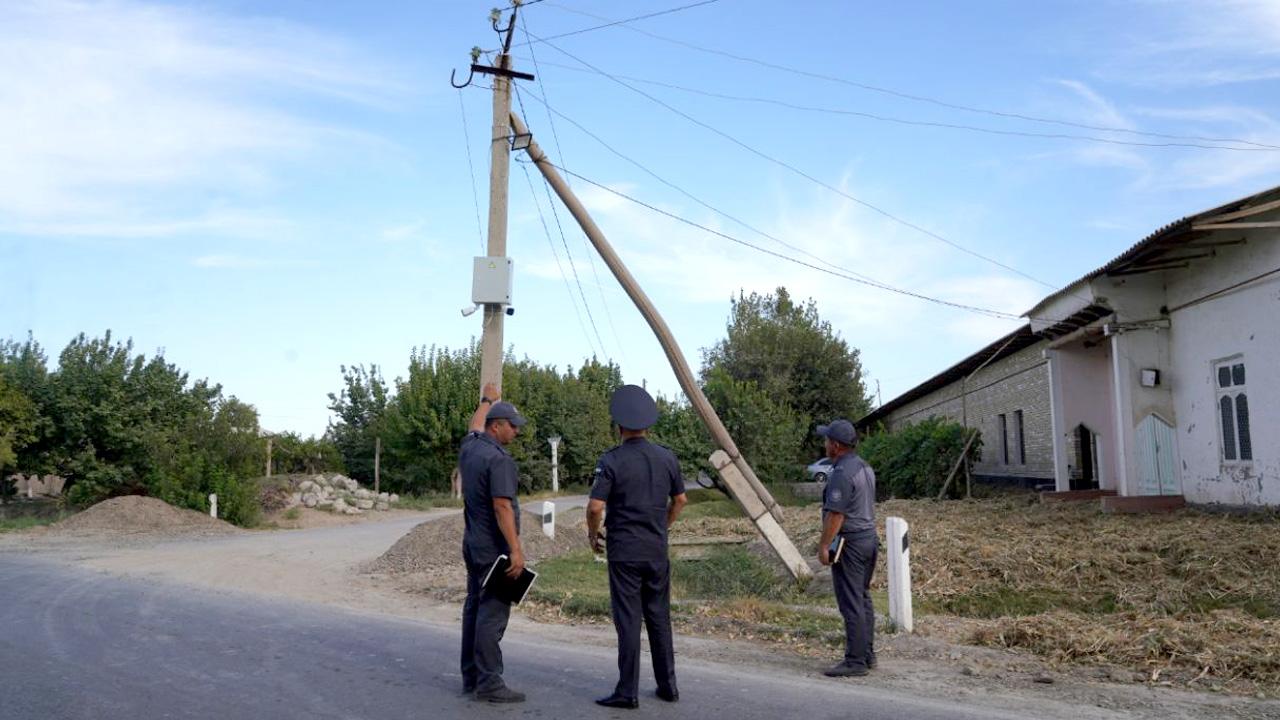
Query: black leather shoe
[617,701]
[668,695]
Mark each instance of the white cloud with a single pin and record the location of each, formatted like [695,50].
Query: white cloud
[123,118]
[1198,44]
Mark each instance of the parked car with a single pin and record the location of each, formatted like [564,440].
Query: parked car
[819,470]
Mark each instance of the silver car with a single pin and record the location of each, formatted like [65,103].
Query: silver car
[819,470]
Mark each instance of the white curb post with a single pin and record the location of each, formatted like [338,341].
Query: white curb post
[549,519]
[899,563]
[555,462]
[213,506]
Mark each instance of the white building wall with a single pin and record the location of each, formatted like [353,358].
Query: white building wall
[1244,322]
[1087,397]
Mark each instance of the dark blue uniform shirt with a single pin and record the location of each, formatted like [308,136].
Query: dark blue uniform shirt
[636,481]
[851,491]
[488,472]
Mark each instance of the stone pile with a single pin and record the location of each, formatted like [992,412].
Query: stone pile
[31,486]
[341,495]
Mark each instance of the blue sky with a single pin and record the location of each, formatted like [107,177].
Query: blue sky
[269,191]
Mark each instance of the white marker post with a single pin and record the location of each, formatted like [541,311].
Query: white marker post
[549,519]
[555,462]
[899,563]
[213,506]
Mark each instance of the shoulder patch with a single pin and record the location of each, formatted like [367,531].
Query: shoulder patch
[836,494]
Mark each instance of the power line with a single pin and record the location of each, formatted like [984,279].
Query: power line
[802,173]
[705,204]
[547,232]
[572,266]
[907,121]
[591,259]
[612,23]
[914,97]
[475,193]
[972,308]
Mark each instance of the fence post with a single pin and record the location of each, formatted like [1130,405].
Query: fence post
[549,519]
[213,506]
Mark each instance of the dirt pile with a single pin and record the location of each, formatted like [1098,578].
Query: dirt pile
[437,544]
[136,515]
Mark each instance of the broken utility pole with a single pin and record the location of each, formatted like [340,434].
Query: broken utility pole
[741,480]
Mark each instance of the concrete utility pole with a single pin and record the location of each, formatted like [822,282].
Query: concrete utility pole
[744,486]
[377,464]
[268,457]
[500,169]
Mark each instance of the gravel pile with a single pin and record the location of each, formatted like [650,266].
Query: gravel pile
[436,545]
[137,515]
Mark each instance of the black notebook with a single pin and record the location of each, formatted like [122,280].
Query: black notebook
[497,582]
[835,548]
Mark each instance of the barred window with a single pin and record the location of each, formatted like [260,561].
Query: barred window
[1233,411]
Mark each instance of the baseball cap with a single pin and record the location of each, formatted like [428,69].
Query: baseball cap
[503,410]
[839,430]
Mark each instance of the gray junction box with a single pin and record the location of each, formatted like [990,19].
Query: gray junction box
[491,281]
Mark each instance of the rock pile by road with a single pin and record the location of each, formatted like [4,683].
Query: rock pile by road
[340,494]
[137,515]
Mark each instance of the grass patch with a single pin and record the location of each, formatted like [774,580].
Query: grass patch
[575,582]
[26,523]
[292,513]
[428,502]
[727,573]
[784,495]
[712,509]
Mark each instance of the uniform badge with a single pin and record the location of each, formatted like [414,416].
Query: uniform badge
[835,495]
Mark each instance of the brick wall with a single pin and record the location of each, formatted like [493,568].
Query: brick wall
[1017,382]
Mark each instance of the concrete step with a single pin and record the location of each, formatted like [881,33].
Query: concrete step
[1074,495]
[1143,503]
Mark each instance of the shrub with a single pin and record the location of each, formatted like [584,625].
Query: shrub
[914,461]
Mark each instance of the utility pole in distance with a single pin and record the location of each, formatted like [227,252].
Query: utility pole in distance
[491,338]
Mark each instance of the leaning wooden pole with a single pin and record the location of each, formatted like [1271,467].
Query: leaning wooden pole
[754,498]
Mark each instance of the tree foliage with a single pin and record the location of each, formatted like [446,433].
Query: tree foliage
[116,422]
[780,370]
[914,461]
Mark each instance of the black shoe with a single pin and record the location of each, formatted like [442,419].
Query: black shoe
[871,663]
[843,670]
[500,695]
[617,701]
[668,695]
[468,690]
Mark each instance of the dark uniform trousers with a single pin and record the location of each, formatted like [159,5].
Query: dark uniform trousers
[642,590]
[851,577]
[484,620]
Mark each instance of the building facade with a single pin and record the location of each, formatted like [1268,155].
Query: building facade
[1156,374]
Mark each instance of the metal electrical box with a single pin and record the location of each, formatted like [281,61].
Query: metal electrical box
[491,281]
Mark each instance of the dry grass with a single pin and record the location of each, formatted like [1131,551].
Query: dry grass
[1186,597]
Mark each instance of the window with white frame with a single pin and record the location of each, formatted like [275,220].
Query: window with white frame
[1233,410]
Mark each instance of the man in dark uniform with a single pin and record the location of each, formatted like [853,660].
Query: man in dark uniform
[848,511]
[492,516]
[640,484]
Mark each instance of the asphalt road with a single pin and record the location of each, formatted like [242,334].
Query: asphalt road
[75,643]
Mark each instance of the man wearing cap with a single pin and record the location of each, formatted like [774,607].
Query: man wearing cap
[492,516]
[640,484]
[848,511]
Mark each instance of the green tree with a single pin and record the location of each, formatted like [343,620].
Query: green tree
[680,429]
[361,407]
[767,433]
[794,357]
[18,423]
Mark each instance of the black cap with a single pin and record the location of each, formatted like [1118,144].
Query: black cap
[503,410]
[841,431]
[633,408]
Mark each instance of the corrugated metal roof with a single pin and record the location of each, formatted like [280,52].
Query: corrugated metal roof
[1166,232]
